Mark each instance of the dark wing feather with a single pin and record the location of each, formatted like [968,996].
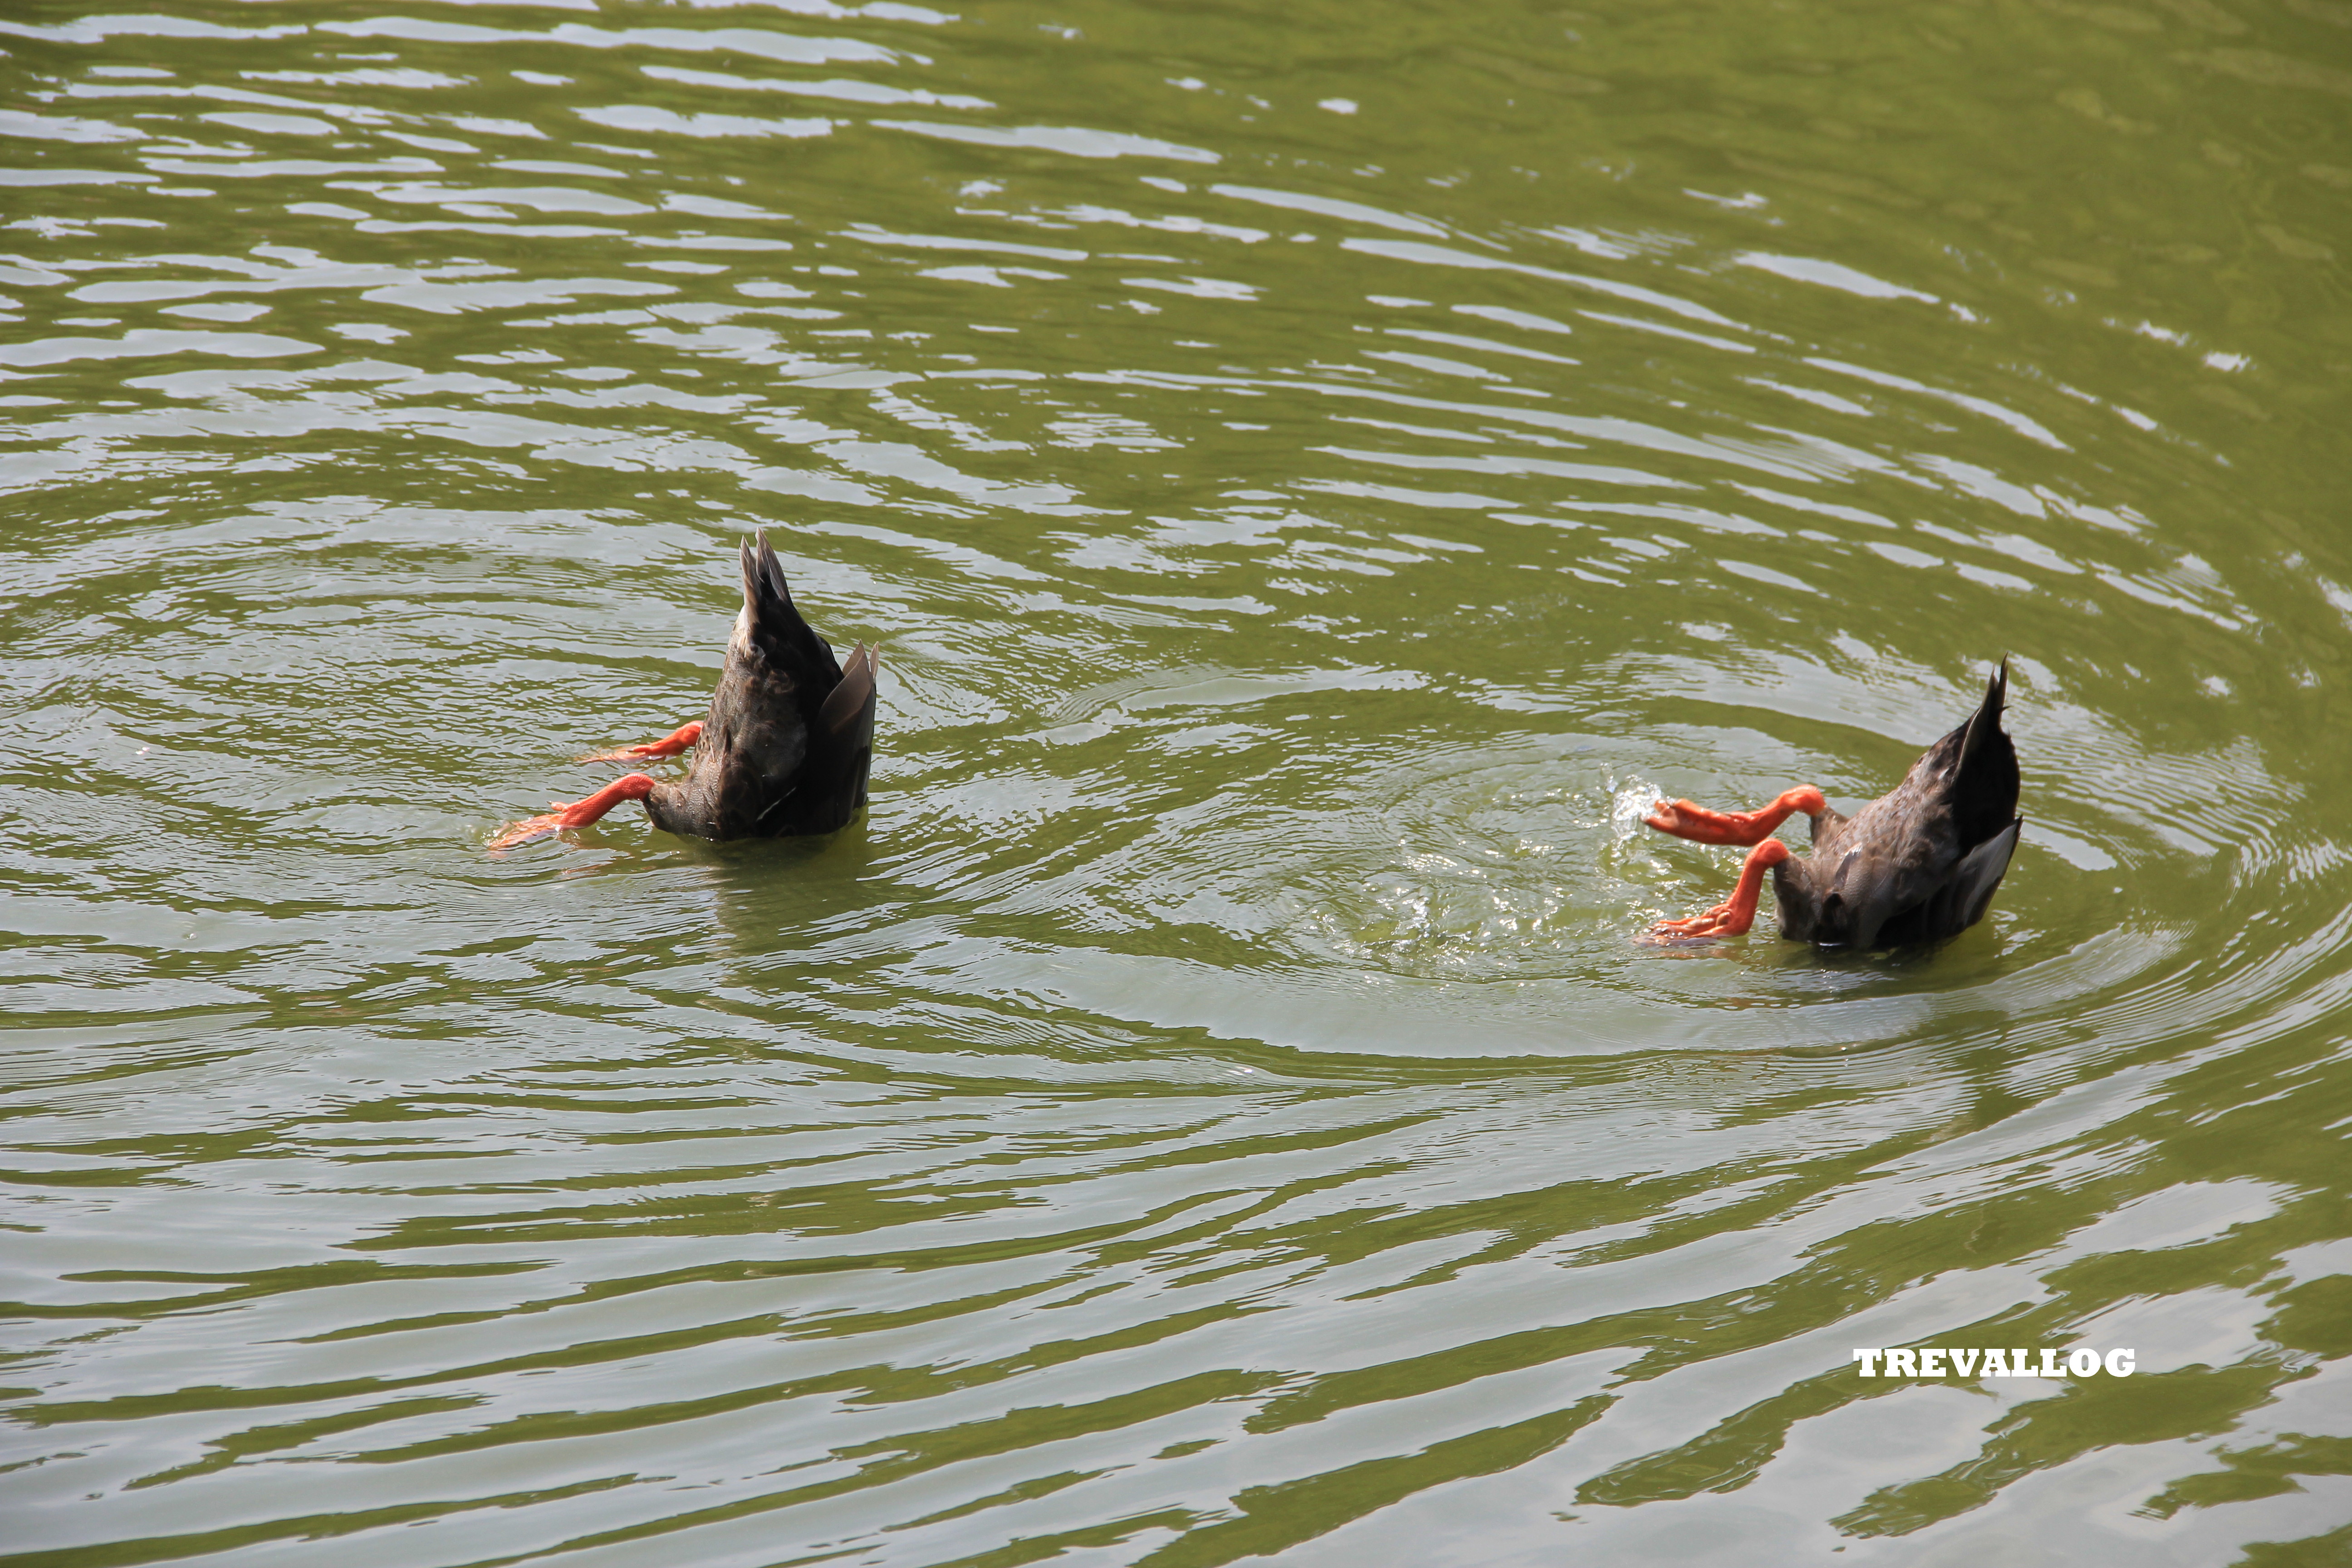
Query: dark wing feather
[853,696]
[1970,892]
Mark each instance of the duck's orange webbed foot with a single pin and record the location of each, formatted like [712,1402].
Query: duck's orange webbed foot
[1726,918]
[1736,913]
[574,814]
[1696,823]
[669,745]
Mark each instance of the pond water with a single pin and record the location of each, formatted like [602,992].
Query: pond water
[1315,473]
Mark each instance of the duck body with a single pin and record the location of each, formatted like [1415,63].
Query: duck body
[785,749]
[1919,864]
[789,740]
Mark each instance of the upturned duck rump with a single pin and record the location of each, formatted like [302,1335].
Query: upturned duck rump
[1918,864]
[785,750]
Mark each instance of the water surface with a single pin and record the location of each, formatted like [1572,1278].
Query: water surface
[1315,473]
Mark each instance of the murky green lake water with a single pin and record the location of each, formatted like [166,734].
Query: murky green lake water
[1316,472]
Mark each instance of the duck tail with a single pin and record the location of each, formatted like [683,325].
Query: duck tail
[1985,724]
[1985,782]
[776,625]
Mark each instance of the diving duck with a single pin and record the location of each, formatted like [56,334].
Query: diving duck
[785,750]
[1918,864]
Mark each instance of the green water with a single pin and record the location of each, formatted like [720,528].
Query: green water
[1315,473]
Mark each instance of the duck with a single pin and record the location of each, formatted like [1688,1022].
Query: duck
[785,750]
[1919,864]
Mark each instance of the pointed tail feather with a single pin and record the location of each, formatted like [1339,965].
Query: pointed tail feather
[1987,721]
[776,623]
[773,569]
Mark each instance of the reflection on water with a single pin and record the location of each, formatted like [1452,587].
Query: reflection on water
[1317,479]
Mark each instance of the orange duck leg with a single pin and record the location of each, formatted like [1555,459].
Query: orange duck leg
[575,814]
[1735,914]
[1696,823]
[669,745]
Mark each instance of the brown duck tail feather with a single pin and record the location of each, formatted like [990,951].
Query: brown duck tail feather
[1985,724]
[1985,781]
[777,627]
